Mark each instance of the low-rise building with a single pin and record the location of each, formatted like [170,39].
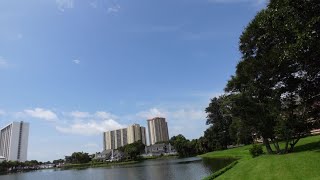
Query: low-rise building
[160,149]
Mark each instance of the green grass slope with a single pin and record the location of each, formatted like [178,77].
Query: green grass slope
[304,163]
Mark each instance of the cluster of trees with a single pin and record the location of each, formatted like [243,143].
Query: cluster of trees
[58,161]
[186,147]
[275,93]
[78,158]
[133,150]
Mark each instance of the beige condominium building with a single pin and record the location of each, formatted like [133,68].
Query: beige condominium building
[158,130]
[120,137]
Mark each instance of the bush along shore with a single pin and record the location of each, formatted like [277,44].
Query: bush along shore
[97,164]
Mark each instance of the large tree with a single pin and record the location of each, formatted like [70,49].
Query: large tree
[278,78]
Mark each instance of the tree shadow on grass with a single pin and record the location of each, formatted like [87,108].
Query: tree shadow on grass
[314,146]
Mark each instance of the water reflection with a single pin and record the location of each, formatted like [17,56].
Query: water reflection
[187,168]
[217,163]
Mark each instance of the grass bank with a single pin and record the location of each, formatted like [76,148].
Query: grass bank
[303,163]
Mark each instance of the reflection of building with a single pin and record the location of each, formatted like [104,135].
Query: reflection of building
[14,141]
[120,137]
[158,130]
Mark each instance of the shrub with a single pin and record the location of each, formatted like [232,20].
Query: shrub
[256,150]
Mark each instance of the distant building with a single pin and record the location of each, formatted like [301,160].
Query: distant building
[160,149]
[109,155]
[120,137]
[158,130]
[14,141]
[136,133]
[2,159]
[115,139]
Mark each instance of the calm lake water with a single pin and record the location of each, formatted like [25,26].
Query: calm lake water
[187,168]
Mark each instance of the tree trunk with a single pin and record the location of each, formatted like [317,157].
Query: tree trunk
[286,147]
[293,144]
[276,145]
[267,144]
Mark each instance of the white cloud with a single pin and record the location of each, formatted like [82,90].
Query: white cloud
[189,114]
[79,114]
[114,9]
[3,62]
[105,115]
[2,112]
[151,113]
[190,122]
[92,127]
[65,4]
[93,4]
[76,61]
[41,114]
[85,123]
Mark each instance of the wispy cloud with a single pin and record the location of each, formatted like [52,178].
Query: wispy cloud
[93,4]
[186,121]
[252,2]
[151,113]
[2,112]
[91,127]
[79,114]
[114,8]
[65,4]
[88,124]
[3,62]
[40,113]
[76,61]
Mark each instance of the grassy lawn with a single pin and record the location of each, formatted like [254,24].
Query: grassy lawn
[304,163]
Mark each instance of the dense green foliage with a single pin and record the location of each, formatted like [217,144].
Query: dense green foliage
[58,161]
[133,150]
[186,147]
[301,164]
[225,128]
[275,91]
[78,158]
[256,150]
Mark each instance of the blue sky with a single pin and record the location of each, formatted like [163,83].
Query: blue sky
[75,68]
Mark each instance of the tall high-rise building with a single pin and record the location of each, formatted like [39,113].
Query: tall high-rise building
[115,139]
[120,137]
[14,141]
[158,130]
[136,133]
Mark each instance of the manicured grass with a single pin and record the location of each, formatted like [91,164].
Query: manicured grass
[304,163]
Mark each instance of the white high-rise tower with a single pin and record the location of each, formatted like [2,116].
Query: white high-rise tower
[14,141]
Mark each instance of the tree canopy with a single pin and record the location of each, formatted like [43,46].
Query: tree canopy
[277,81]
